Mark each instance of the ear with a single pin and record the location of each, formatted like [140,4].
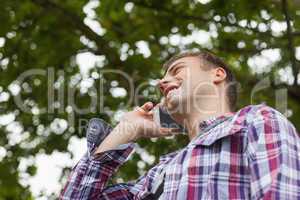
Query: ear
[219,75]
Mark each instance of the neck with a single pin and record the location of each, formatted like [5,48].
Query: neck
[201,112]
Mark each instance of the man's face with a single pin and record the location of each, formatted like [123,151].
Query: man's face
[186,82]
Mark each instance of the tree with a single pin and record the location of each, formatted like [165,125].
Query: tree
[136,37]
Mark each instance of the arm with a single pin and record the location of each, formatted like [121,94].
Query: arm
[107,150]
[89,177]
[273,156]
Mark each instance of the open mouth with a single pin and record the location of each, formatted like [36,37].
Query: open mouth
[171,88]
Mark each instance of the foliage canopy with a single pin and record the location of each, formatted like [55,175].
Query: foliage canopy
[135,37]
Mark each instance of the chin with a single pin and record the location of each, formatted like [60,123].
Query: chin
[176,105]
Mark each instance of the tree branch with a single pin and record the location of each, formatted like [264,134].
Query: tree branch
[102,46]
[290,33]
[290,40]
[292,90]
[198,18]
[296,33]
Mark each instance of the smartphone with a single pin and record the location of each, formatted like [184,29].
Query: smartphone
[164,119]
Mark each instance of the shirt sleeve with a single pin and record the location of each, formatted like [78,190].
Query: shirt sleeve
[273,156]
[90,175]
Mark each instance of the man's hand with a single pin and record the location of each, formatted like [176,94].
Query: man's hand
[143,125]
[134,125]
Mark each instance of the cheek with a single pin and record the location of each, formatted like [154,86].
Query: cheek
[201,85]
[195,82]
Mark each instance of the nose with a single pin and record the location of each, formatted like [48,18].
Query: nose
[162,83]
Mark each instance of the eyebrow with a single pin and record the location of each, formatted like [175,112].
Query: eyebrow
[172,67]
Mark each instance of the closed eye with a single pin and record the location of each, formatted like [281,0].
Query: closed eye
[176,70]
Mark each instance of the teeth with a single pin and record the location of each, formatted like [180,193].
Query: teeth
[174,89]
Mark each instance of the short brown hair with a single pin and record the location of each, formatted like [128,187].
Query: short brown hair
[215,61]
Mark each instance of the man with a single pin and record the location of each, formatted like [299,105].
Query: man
[249,154]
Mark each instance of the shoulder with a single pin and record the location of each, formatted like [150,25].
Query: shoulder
[259,119]
[264,121]
[254,113]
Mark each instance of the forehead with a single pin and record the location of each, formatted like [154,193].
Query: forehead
[185,60]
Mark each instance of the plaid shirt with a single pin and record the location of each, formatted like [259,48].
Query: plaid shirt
[253,154]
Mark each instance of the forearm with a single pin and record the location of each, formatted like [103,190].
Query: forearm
[91,174]
[121,134]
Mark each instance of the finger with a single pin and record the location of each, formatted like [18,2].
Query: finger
[142,111]
[147,106]
[154,109]
[138,109]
